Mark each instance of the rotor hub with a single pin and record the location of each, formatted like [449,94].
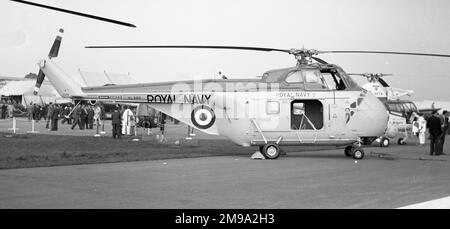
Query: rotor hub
[303,55]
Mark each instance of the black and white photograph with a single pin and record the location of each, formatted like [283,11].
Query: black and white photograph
[252,105]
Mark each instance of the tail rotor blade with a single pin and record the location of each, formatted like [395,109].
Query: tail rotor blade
[54,51]
[39,80]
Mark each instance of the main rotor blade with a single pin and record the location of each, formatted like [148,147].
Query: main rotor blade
[190,47]
[76,13]
[319,60]
[391,53]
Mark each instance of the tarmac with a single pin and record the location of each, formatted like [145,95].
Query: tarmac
[394,177]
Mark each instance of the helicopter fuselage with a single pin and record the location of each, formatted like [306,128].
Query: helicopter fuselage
[312,104]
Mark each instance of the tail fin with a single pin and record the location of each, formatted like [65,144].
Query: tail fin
[65,85]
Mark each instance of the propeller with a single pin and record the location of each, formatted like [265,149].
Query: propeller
[76,13]
[54,51]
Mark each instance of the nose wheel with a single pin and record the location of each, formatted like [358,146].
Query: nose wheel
[354,151]
[385,142]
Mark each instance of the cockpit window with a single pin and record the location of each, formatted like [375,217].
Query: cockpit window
[333,79]
[312,76]
[294,77]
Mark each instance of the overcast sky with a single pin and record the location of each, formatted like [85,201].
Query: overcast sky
[26,34]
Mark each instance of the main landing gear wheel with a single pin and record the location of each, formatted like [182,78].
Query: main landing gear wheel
[357,153]
[270,151]
[348,151]
[401,141]
[384,142]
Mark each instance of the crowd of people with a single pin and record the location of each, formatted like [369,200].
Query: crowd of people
[82,115]
[438,127]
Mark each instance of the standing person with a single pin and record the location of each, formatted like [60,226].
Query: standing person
[10,109]
[83,116]
[65,115]
[55,117]
[30,111]
[90,118]
[98,115]
[422,129]
[2,110]
[35,110]
[116,120]
[434,125]
[445,126]
[76,114]
[50,109]
[38,112]
[127,118]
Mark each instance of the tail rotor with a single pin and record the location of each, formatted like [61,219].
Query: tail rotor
[54,51]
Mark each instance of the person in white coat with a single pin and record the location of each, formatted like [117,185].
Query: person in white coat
[422,129]
[127,118]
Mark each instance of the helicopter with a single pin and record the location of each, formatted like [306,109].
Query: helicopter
[312,103]
[400,111]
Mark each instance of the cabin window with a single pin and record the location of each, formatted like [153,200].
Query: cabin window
[294,77]
[306,115]
[272,107]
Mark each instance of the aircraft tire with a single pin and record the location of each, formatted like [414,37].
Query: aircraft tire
[401,141]
[358,153]
[384,142]
[348,151]
[271,151]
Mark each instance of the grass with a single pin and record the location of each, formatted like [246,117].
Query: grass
[29,150]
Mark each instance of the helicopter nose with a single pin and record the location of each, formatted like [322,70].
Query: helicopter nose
[376,116]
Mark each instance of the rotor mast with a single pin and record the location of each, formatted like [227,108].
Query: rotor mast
[303,56]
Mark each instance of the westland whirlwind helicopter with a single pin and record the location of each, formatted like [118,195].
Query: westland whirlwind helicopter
[313,103]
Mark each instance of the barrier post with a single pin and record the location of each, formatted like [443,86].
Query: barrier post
[32,128]
[103,127]
[97,135]
[14,129]
[189,133]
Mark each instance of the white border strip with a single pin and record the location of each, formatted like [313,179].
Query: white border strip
[443,203]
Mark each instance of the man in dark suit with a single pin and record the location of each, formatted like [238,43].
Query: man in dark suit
[116,121]
[445,126]
[55,117]
[434,126]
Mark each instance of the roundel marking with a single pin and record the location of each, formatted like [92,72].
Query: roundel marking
[203,117]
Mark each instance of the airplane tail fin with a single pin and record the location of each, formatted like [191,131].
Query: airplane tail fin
[64,84]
